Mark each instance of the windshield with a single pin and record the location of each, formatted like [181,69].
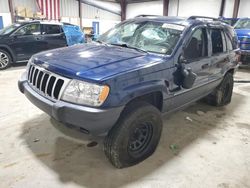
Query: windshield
[8,29]
[242,24]
[147,36]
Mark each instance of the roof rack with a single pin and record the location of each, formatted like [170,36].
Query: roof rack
[146,15]
[204,17]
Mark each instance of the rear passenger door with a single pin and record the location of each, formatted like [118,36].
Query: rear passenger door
[219,53]
[53,36]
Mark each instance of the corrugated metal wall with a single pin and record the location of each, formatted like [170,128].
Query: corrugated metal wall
[4,6]
[69,8]
[91,12]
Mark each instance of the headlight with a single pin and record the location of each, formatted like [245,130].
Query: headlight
[85,93]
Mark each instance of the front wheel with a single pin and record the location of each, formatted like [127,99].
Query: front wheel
[135,136]
[5,59]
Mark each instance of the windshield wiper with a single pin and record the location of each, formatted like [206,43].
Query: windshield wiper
[101,42]
[127,46]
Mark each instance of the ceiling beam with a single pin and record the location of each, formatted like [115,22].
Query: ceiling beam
[97,5]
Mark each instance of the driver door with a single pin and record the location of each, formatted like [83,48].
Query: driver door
[196,55]
[27,41]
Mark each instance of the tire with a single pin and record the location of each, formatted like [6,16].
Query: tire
[135,136]
[223,93]
[5,59]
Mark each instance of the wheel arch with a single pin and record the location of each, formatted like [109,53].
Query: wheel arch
[8,49]
[154,98]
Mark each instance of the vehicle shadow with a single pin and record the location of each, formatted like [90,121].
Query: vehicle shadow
[65,151]
[15,66]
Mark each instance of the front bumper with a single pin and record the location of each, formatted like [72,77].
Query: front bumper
[245,58]
[92,120]
[245,52]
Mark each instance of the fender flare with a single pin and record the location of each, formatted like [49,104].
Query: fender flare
[141,89]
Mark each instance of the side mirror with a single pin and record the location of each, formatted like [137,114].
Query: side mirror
[189,78]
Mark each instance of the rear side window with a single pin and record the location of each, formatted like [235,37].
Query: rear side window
[51,29]
[218,41]
[197,46]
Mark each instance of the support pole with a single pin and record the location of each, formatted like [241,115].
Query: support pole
[236,8]
[80,13]
[11,11]
[165,7]
[222,7]
[123,4]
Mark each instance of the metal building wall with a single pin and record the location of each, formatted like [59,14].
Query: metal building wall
[69,8]
[91,12]
[4,6]
[31,4]
[244,9]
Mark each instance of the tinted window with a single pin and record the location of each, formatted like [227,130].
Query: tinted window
[197,46]
[218,41]
[51,29]
[31,29]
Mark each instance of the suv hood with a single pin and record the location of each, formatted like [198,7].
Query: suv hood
[93,61]
[243,32]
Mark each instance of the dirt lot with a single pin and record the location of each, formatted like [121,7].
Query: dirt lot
[202,146]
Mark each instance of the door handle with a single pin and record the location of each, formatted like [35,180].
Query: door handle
[205,66]
[38,38]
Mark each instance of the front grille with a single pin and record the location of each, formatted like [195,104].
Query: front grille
[46,83]
[244,39]
[245,46]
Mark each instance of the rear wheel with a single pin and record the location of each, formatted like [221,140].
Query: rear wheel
[135,136]
[223,93]
[5,59]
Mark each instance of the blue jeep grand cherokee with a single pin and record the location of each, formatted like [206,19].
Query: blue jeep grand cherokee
[120,85]
[242,28]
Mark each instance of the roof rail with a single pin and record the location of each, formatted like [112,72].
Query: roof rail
[204,17]
[146,15]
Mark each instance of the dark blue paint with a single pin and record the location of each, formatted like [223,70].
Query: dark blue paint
[96,27]
[1,22]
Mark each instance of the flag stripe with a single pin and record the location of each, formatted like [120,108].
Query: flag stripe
[49,8]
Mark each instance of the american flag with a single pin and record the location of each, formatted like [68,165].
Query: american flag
[49,8]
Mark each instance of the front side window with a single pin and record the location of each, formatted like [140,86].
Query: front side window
[218,41]
[51,29]
[197,46]
[149,36]
[31,29]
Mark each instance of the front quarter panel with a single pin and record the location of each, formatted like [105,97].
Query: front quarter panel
[138,83]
